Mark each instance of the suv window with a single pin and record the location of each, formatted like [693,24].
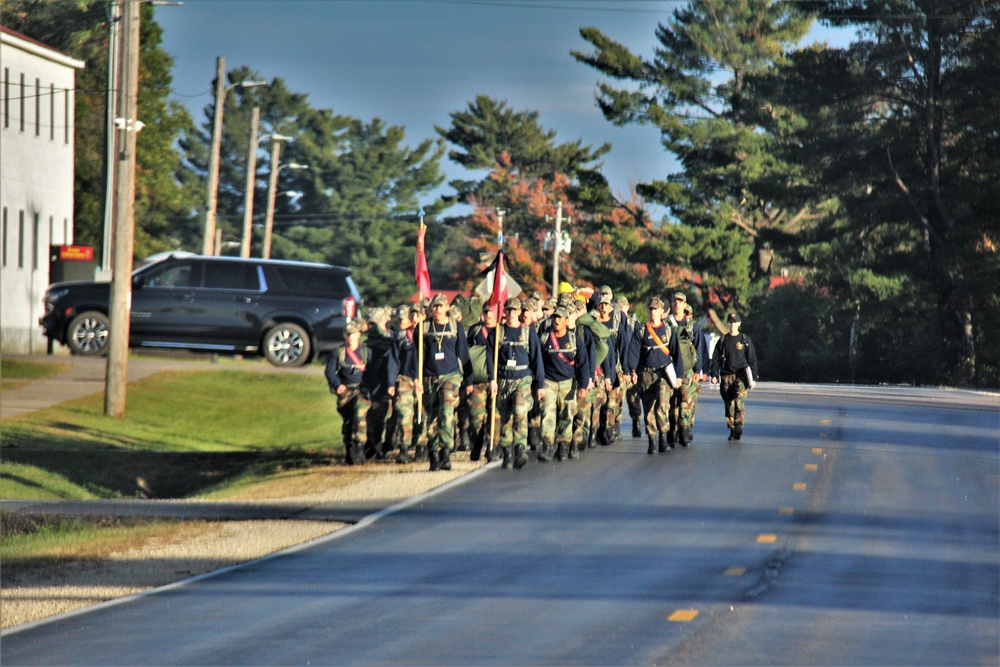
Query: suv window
[171,275]
[306,279]
[231,275]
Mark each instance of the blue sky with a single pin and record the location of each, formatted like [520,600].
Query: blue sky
[412,62]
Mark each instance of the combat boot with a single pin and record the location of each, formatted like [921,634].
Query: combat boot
[636,432]
[433,455]
[670,439]
[506,457]
[737,432]
[571,452]
[490,453]
[520,457]
[421,453]
[444,462]
[560,451]
[652,445]
[545,453]
[463,440]
[403,456]
[684,436]
[664,447]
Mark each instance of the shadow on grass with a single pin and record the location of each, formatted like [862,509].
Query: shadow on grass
[110,473]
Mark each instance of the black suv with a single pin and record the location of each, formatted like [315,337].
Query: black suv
[287,311]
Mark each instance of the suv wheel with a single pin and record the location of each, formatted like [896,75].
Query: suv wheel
[287,344]
[87,335]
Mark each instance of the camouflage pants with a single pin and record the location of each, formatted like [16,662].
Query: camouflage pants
[404,412]
[479,410]
[558,410]
[346,405]
[514,401]
[584,419]
[535,423]
[633,396]
[377,415]
[683,402]
[440,401]
[734,395]
[656,393]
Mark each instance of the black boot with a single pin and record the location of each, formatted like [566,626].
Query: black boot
[520,457]
[670,439]
[421,454]
[491,453]
[636,433]
[571,452]
[664,444]
[684,436]
[652,445]
[444,463]
[545,453]
[732,434]
[357,455]
[560,451]
[403,456]
[738,432]
[506,457]
[433,456]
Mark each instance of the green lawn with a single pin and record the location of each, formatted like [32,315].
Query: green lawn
[16,372]
[184,433]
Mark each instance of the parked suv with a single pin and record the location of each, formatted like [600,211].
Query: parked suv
[287,311]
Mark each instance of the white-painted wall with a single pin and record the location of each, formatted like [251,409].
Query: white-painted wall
[36,180]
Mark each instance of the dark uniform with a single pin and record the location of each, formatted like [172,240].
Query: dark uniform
[658,368]
[402,371]
[694,351]
[447,371]
[344,372]
[481,413]
[567,370]
[734,365]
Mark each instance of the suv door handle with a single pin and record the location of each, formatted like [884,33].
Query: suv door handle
[243,299]
[185,297]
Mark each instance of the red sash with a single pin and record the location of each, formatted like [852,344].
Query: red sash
[355,359]
[555,346]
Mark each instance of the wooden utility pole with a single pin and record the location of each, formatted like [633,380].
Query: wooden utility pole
[211,197]
[251,184]
[128,127]
[272,187]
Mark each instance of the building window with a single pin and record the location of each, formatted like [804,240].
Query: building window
[66,116]
[4,239]
[24,90]
[20,239]
[52,112]
[35,229]
[38,107]
[6,97]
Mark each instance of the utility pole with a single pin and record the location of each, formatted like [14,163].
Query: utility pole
[272,187]
[114,18]
[211,197]
[127,127]
[251,183]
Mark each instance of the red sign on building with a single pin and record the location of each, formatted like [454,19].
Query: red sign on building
[76,253]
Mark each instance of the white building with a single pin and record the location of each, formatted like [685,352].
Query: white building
[37,85]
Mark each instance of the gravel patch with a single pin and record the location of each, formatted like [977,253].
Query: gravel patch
[205,546]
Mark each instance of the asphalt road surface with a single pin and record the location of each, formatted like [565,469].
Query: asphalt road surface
[850,526]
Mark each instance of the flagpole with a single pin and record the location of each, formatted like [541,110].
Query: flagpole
[420,332]
[500,328]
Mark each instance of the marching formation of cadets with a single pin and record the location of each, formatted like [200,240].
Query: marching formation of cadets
[564,373]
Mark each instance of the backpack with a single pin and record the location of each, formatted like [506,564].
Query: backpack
[600,333]
[685,340]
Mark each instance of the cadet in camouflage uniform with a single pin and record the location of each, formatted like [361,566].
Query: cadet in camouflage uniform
[568,376]
[658,372]
[519,366]
[447,371]
[633,393]
[401,374]
[530,312]
[616,365]
[479,398]
[596,335]
[694,351]
[344,373]
[378,338]
[734,366]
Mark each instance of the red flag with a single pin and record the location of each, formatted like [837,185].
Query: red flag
[498,296]
[423,275]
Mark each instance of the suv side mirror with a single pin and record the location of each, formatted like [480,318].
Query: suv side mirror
[138,282]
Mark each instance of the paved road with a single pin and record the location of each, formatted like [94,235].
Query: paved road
[852,526]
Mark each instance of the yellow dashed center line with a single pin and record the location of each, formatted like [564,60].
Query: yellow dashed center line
[817,450]
[735,571]
[683,615]
[824,421]
[786,510]
[800,486]
[767,538]
[811,466]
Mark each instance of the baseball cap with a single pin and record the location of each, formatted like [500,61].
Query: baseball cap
[512,304]
[654,302]
[561,312]
[605,297]
[733,317]
[351,328]
[680,296]
[439,299]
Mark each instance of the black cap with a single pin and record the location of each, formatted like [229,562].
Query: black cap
[733,317]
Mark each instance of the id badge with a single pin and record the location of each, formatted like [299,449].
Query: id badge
[439,356]
[511,363]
